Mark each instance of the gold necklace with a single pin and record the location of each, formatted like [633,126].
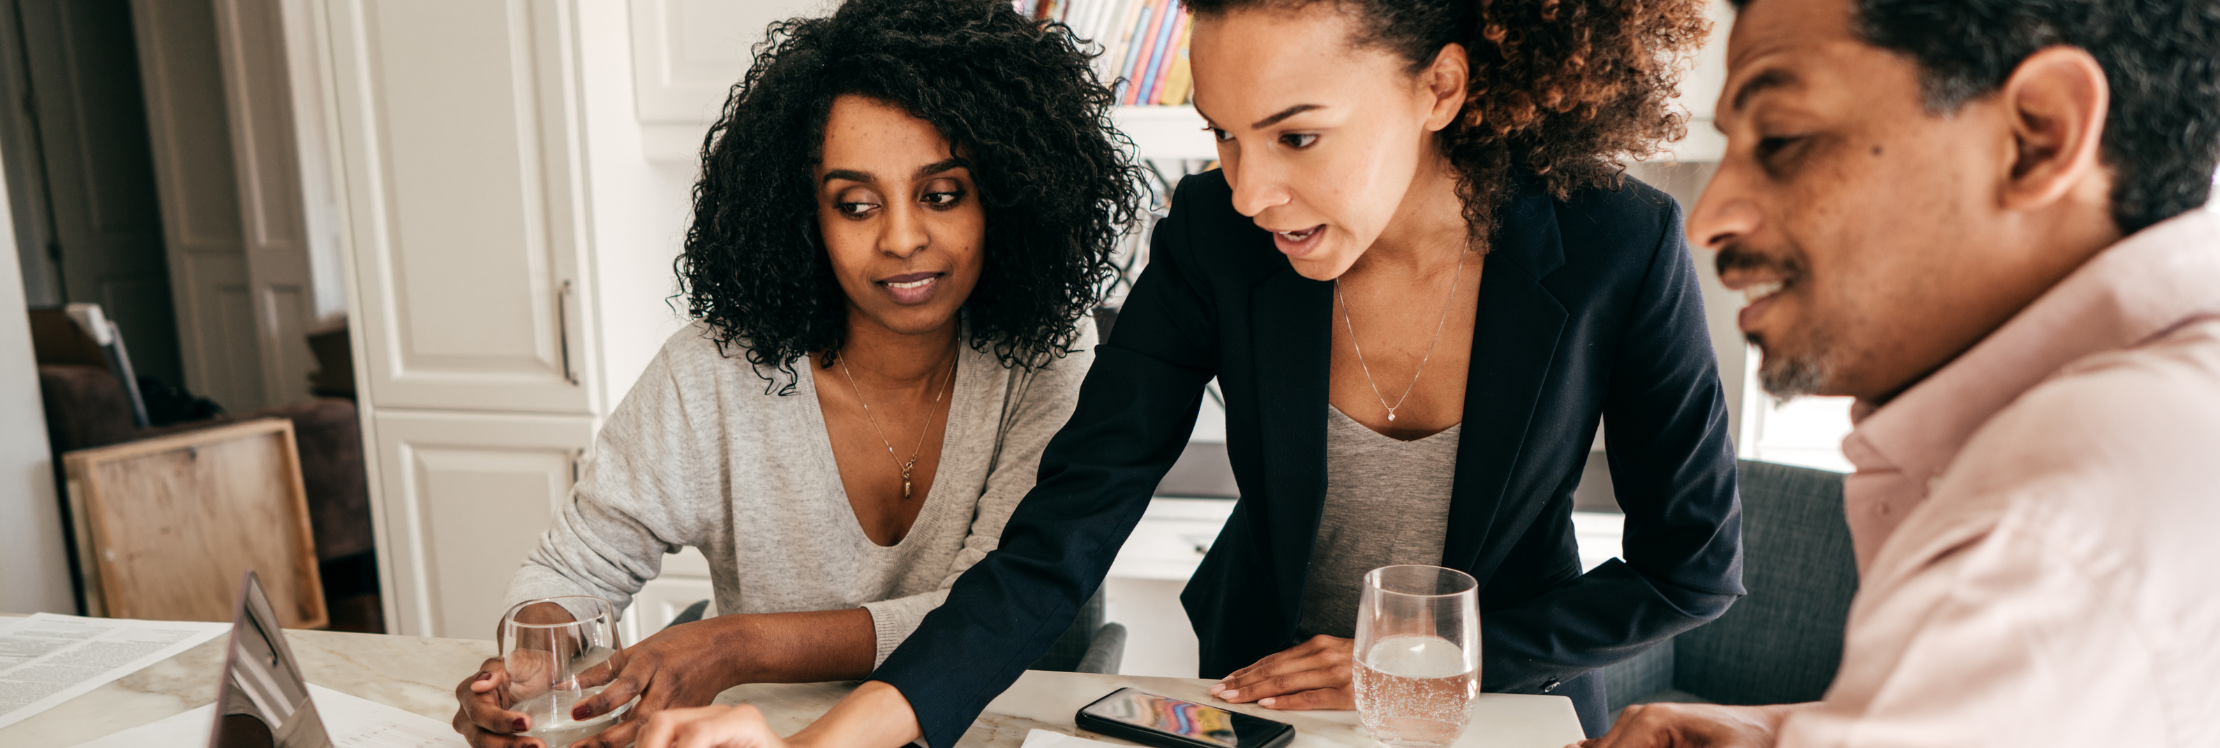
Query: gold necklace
[1446,303]
[902,465]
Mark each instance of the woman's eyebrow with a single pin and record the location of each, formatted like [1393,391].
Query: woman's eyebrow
[942,165]
[850,175]
[1284,114]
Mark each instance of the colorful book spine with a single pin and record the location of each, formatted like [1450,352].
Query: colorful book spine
[1181,79]
[1132,55]
[1159,18]
[1165,52]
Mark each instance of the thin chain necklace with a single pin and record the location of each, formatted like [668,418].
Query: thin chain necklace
[1446,303]
[903,465]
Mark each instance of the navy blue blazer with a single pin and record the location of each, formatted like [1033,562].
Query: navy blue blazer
[1588,310]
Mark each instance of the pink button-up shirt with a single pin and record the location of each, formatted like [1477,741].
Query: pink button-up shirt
[2037,524]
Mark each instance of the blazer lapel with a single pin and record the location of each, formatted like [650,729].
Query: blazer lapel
[1292,326]
[1514,340]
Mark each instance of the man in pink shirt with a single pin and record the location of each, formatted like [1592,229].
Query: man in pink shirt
[1983,219]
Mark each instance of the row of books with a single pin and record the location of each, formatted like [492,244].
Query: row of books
[1144,43]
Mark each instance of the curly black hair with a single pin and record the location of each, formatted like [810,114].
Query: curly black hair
[2161,57]
[1562,90]
[1016,97]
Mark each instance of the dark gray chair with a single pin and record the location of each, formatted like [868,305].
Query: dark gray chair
[1781,643]
[1089,646]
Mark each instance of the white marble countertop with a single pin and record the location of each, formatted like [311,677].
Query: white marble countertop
[419,675]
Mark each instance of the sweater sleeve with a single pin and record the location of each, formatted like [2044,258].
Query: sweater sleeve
[1040,403]
[631,503]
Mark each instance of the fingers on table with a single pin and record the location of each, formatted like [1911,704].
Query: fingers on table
[622,690]
[1638,726]
[1316,698]
[480,699]
[480,738]
[708,727]
[1303,668]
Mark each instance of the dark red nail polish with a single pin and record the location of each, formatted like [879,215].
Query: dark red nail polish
[483,675]
[517,726]
[581,712]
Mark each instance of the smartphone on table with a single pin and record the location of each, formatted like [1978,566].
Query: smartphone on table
[1166,722]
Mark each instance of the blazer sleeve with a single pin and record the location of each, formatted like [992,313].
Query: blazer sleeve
[1136,409]
[1673,469]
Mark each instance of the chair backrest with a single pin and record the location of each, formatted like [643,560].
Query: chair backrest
[1071,647]
[1782,643]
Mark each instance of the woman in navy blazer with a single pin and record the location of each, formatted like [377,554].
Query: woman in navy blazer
[1585,309]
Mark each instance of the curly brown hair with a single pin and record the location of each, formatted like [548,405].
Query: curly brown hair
[1561,90]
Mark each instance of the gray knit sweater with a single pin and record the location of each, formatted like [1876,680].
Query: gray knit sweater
[699,455]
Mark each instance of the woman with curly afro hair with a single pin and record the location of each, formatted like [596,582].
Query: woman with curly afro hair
[1422,284]
[903,219]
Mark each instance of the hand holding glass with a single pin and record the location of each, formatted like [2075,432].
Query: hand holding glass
[1417,654]
[557,654]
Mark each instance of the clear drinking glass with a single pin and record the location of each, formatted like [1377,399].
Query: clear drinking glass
[557,652]
[1417,654]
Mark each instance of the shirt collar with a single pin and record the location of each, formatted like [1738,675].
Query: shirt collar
[2134,290]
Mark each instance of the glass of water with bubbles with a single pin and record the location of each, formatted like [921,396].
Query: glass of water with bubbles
[557,652]
[1417,654]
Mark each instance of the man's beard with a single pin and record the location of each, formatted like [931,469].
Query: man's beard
[1787,376]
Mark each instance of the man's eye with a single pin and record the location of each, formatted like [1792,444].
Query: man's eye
[1298,141]
[1769,147]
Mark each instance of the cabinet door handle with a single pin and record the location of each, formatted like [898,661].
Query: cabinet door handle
[562,330]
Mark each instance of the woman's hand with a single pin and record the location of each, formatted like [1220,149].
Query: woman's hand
[483,718]
[709,727]
[1311,675]
[679,667]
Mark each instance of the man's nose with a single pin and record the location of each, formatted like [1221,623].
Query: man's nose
[1726,211]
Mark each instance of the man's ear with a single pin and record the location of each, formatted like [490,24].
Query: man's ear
[1444,81]
[2057,100]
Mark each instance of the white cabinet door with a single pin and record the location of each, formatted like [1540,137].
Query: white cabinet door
[460,138]
[661,600]
[463,499]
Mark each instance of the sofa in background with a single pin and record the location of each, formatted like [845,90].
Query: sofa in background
[1782,642]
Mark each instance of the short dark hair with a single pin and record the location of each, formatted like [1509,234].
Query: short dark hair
[1019,100]
[1562,90]
[2161,58]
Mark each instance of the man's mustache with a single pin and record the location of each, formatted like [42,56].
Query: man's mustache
[1739,257]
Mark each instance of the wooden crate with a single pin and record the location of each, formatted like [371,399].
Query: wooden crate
[167,526]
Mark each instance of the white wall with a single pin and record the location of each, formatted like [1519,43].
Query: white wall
[36,576]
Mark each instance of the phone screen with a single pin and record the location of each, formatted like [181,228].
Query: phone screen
[1184,718]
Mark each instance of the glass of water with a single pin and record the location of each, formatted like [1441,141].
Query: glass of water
[557,652]
[1417,654]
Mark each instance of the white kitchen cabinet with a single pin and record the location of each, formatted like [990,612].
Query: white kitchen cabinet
[683,582]
[466,497]
[461,150]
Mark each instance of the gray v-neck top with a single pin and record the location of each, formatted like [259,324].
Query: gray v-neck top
[1387,503]
[698,454]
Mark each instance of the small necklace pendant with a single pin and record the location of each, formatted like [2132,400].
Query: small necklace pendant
[905,488]
[1391,415]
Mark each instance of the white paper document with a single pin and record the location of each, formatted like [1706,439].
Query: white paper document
[1039,738]
[352,722]
[47,659]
